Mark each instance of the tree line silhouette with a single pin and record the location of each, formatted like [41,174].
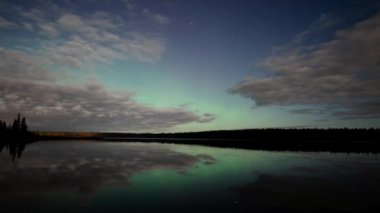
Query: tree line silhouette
[17,128]
[275,139]
[15,136]
[269,134]
[307,139]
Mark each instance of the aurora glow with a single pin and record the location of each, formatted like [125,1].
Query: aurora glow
[101,176]
[171,65]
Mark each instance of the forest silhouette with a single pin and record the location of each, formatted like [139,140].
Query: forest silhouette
[333,140]
[15,136]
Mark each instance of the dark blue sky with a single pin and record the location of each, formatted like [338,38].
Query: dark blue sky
[176,65]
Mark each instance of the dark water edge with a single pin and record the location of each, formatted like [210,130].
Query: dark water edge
[307,146]
[317,140]
[268,145]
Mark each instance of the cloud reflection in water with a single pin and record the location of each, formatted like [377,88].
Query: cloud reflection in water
[50,168]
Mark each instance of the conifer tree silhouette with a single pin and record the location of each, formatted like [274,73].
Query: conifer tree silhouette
[23,127]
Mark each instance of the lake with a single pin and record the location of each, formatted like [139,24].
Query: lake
[89,176]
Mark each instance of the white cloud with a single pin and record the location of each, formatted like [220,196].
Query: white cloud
[142,47]
[49,30]
[325,22]
[99,31]
[71,22]
[26,86]
[77,52]
[89,107]
[343,73]
[17,65]
[104,20]
[108,42]
[161,19]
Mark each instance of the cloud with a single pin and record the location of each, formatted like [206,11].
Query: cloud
[6,24]
[342,73]
[49,30]
[27,26]
[321,25]
[91,33]
[99,31]
[71,22]
[155,17]
[130,4]
[31,83]
[88,107]
[306,111]
[17,65]
[78,51]
[25,86]
[142,47]
[104,20]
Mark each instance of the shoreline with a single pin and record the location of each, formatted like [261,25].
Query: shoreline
[346,143]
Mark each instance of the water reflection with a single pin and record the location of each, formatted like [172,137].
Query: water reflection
[15,148]
[274,193]
[136,177]
[79,170]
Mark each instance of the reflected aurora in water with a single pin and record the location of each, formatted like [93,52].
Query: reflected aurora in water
[119,177]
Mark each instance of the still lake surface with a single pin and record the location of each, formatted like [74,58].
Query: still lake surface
[83,176]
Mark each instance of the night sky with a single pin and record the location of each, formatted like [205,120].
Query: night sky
[189,65]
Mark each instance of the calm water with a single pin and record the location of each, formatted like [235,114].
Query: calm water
[75,176]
